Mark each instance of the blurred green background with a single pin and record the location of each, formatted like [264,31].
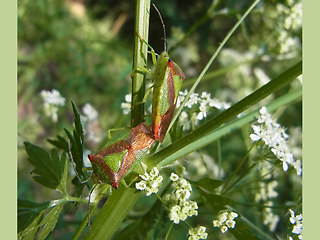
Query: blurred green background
[84,50]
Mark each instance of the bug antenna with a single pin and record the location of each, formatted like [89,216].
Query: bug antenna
[163,26]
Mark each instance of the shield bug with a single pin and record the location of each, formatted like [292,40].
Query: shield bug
[120,157]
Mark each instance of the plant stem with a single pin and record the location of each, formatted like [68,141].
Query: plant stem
[112,213]
[139,59]
[122,200]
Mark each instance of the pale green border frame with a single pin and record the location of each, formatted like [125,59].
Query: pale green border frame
[8,106]
[311,119]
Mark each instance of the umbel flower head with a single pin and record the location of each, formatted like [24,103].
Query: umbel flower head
[151,182]
[274,137]
[225,220]
[197,233]
[180,207]
[297,222]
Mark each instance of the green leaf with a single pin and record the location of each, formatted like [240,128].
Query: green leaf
[207,184]
[49,169]
[32,222]
[77,122]
[49,222]
[60,143]
[28,212]
[215,202]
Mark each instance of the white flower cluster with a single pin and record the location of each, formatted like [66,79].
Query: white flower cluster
[225,220]
[275,137]
[90,123]
[292,21]
[297,222]
[197,233]
[151,182]
[180,205]
[52,100]
[198,106]
[269,218]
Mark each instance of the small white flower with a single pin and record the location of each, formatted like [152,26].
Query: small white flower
[217,223]
[233,215]
[151,182]
[154,172]
[141,185]
[224,229]
[223,217]
[174,177]
[145,177]
[230,223]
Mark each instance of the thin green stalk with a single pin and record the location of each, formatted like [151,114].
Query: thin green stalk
[122,200]
[169,231]
[244,160]
[139,59]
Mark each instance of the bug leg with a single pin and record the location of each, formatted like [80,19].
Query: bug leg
[114,130]
[153,53]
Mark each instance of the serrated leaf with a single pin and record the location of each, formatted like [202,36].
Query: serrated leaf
[30,232]
[49,222]
[208,184]
[76,152]
[62,187]
[28,211]
[32,222]
[60,143]
[48,168]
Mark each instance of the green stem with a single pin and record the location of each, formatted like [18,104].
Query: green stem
[240,166]
[112,213]
[122,200]
[169,231]
[139,59]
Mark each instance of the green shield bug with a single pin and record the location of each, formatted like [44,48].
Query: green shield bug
[120,157]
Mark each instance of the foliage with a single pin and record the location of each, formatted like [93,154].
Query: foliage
[84,50]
